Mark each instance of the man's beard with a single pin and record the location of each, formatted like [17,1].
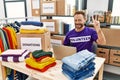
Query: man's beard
[79,26]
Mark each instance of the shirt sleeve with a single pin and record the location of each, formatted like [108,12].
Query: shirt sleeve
[66,41]
[94,35]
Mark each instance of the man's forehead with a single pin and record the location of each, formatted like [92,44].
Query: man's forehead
[78,15]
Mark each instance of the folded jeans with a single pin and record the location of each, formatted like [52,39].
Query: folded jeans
[68,68]
[78,60]
[80,77]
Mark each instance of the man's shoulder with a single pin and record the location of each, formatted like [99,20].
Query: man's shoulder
[90,28]
[71,31]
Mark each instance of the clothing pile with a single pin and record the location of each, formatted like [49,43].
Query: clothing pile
[8,39]
[16,26]
[14,55]
[40,60]
[79,66]
[32,27]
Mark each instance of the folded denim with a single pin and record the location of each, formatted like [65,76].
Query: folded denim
[78,73]
[83,76]
[79,60]
[74,72]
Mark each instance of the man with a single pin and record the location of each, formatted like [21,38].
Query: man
[82,37]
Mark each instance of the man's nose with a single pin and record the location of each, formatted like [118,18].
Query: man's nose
[76,21]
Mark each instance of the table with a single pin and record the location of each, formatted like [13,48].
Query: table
[54,73]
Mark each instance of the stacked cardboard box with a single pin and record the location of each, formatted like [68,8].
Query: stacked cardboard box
[34,41]
[52,7]
[51,25]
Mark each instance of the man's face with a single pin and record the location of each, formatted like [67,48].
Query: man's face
[79,21]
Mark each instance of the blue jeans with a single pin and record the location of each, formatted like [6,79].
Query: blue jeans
[82,76]
[74,72]
[79,60]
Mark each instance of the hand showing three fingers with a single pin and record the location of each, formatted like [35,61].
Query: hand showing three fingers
[96,24]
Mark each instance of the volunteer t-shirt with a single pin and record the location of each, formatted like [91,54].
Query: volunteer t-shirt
[81,40]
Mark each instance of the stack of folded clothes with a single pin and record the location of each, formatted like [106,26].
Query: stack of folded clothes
[40,60]
[79,66]
[30,29]
[14,55]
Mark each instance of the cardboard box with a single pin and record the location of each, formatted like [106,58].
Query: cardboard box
[103,52]
[35,12]
[34,41]
[108,18]
[51,25]
[35,7]
[60,7]
[115,57]
[48,7]
[57,39]
[101,18]
[112,36]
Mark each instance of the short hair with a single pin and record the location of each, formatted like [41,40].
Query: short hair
[80,12]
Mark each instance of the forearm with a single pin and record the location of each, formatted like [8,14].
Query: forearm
[101,38]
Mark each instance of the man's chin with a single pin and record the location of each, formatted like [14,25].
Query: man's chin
[79,28]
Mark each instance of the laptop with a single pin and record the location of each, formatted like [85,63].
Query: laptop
[61,51]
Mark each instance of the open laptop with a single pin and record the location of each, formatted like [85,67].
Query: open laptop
[61,51]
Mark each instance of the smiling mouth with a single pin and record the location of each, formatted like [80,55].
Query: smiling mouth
[79,25]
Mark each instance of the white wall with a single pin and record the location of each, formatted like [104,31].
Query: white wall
[116,7]
[29,8]
[93,5]
[2,14]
